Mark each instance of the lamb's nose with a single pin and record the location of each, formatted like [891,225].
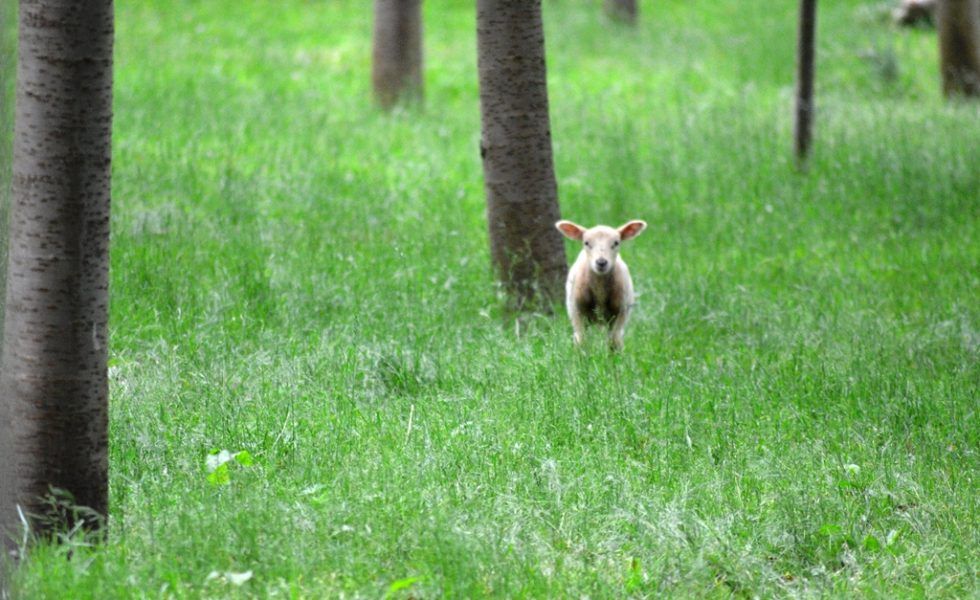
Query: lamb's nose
[601,263]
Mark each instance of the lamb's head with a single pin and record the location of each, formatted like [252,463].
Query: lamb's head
[601,242]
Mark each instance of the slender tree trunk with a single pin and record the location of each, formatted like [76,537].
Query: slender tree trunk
[958,22]
[519,175]
[397,61]
[804,79]
[622,10]
[53,383]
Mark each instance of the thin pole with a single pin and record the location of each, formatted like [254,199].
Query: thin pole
[804,79]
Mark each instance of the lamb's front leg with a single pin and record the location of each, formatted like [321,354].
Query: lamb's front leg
[617,330]
[578,325]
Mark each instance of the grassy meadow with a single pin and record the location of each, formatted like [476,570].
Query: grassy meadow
[304,278]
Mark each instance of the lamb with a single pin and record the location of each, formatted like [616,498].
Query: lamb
[599,287]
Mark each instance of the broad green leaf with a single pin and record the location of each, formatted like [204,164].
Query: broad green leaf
[219,476]
[402,584]
[244,458]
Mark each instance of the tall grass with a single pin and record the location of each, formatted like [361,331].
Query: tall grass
[300,276]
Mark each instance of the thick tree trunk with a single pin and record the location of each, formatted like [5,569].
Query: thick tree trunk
[397,57]
[622,10]
[53,382]
[519,175]
[959,46]
[804,78]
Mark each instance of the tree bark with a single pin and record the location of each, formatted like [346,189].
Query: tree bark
[804,79]
[958,22]
[397,57]
[53,380]
[519,175]
[8,64]
[622,10]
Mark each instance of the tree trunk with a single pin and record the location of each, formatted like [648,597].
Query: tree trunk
[804,79]
[397,57]
[53,382]
[519,175]
[622,10]
[8,64]
[959,46]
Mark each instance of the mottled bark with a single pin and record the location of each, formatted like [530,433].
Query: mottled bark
[958,22]
[519,176]
[53,382]
[804,78]
[622,10]
[397,57]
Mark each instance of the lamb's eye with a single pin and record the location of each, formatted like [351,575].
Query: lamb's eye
[615,244]
[588,245]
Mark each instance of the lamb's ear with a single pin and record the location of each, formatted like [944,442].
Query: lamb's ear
[631,230]
[570,230]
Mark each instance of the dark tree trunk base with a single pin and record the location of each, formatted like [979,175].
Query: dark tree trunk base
[958,24]
[397,56]
[624,11]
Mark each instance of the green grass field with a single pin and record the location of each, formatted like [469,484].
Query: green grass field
[300,276]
